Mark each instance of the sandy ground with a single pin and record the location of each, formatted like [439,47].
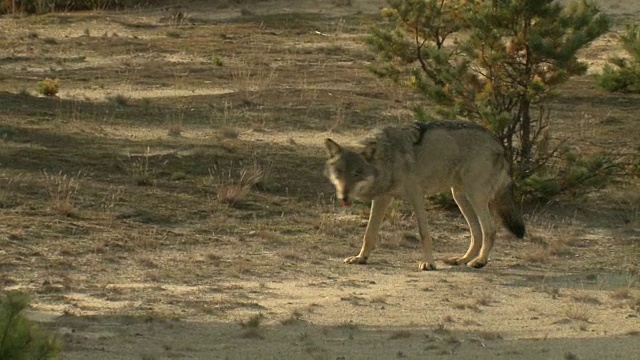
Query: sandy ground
[169,271]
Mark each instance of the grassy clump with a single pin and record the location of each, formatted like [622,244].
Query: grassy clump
[48,87]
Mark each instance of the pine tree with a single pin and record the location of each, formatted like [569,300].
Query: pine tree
[495,62]
[19,337]
[623,74]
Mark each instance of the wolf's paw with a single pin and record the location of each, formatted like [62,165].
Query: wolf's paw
[477,263]
[426,266]
[455,260]
[356,260]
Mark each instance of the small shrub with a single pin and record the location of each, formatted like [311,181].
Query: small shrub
[216,60]
[251,327]
[624,75]
[48,87]
[140,170]
[20,338]
[175,129]
[229,133]
[178,175]
[147,105]
[119,100]
[400,334]
[174,34]
[571,174]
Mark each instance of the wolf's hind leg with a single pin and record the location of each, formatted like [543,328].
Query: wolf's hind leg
[378,208]
[481,207]
[474,227]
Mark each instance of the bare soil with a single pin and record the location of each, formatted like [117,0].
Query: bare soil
[169,203]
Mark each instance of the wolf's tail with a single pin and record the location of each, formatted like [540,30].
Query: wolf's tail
[505,206]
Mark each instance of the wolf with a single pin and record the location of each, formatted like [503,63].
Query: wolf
[419,159]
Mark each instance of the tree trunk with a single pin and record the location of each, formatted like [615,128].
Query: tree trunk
[525,138]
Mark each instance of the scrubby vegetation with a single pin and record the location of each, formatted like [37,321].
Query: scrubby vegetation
[623,73]
[20,338]
[498,63]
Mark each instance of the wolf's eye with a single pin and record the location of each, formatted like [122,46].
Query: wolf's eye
[357,173]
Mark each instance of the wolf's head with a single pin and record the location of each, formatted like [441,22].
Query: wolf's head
[351,172]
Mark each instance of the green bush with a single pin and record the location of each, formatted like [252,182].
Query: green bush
[48,87]
[573,175]
[623,74]
[20,338]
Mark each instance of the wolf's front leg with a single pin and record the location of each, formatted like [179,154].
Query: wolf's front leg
[416,198]
[378,208]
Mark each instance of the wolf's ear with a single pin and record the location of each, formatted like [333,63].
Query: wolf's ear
[369,151]
[332,147]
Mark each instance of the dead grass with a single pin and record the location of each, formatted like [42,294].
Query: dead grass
[579,313]
[471,305]
[294,318]
[622,293]
[229,132]
[489,335]
[232,189]
[62,190]
[251,99]
[586,299]
[400,334]
[119,100]
[484,299]
[139,168]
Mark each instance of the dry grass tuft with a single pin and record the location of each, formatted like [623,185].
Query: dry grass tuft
[251,327]
[400,334]
[577,313]
[231,190]
[484,299]
[621,293]
[586,299]
[48,87]
[119,100]
[253,322]
[464,306]
[348,325]
[229,133]
[378,299]
[61,190]
[489,335]
[175,129]
[139,168]
[295,317]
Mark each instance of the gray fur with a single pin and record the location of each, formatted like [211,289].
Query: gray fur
[419,159]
